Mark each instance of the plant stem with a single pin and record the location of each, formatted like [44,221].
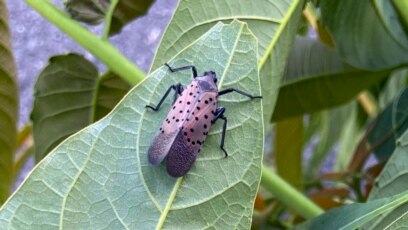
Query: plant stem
[98,47]
[108,19]
[288,195]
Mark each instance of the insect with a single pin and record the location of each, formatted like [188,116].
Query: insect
[183,132]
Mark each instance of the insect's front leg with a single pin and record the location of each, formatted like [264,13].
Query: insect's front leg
[229,90]
[219,114]
[193,69]
[178,88]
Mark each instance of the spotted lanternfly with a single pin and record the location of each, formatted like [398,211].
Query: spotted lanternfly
[186,126]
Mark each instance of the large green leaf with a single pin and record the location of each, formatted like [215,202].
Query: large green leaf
[316,79]
[100,177]
[94,11]
[392,180]
[274,23]
[354,216]
[69,96]
[362,37]
[8,105]
[63,101]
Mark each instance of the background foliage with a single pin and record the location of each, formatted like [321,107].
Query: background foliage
[333,78]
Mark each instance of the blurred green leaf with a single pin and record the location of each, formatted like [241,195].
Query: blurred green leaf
[389,126]
[8,105]
[316,79]
[127,11]
[361,36]
[390,19]
[274,24]
[288,150]
[392,180]
[355,215]
[93,11]
[100,177]
[88,11]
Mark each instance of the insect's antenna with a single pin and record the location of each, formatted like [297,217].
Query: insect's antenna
[193,69]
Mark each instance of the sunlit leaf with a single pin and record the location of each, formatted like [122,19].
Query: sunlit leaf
[100,176]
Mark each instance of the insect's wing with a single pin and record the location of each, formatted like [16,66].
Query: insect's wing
[189,141]
[181,157]
[160,146]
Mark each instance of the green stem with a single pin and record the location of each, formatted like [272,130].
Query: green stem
[402,8]
[288,195]
[100,48]
[108,19]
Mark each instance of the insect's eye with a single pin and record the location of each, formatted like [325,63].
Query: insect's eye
[215,80]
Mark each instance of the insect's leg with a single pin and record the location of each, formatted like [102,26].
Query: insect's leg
[219,114]
[193,69]
[229,90]
[178,88]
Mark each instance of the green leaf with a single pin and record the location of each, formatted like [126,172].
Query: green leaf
[361,36]
[69,96]
[274,23]
[62,101]
[8,105]
[353,216]
[88,11]
[111,89]
[100,177]
[392,180]
[94,11]
[390,125]
[126,11]
[316,79]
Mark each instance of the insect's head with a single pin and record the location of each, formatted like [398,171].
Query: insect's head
[208,81]
[211,74]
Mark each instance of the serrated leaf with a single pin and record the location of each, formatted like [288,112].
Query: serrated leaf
[8,106]
[389,126]
[316,79]
[357,28]
[62,100]
[100,177]
[274,24]
[353,216]
[392,180]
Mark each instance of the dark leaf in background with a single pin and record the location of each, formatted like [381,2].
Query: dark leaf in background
[316,79]
[93,11]
[63,100]
[8,105]
[389,126]
[88,11]
[68,97]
